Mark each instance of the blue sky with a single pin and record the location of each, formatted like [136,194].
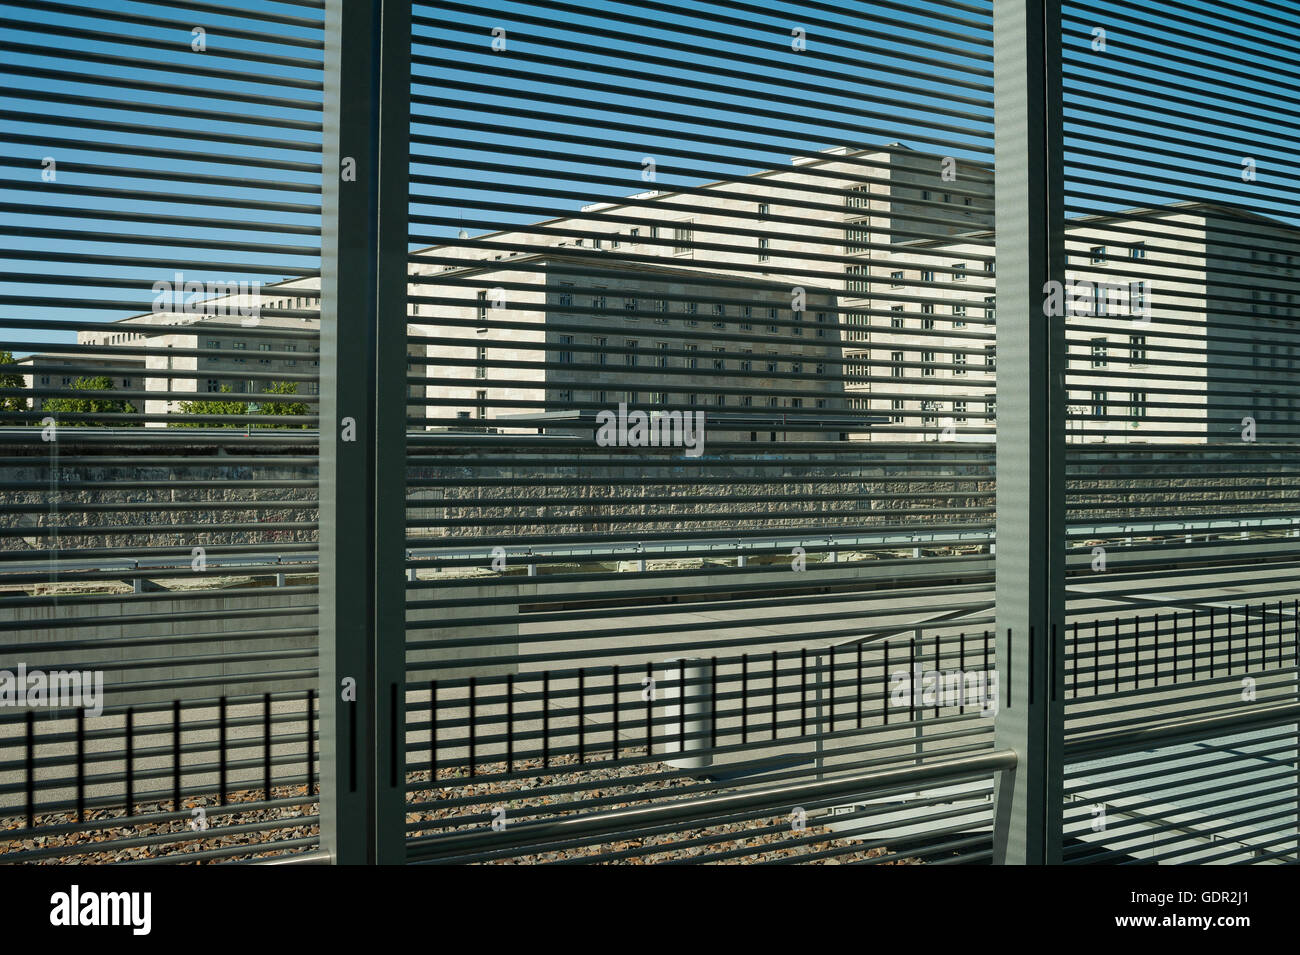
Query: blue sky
[768,85]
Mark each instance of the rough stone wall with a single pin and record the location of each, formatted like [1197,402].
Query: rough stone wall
[476,499]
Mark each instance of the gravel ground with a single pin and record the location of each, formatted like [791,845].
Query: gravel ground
[515,795]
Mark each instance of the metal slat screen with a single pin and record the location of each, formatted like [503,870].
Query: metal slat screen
[158,378]
[700,431]
[1182,247]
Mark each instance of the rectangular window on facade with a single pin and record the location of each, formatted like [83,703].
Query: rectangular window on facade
[959,359]
[896,406]
[858,334]
[684,237]
[990,356]
[1137,298]
[662,359]
[629,305]
[1098,353]
[858,197]
[855,279]
[959,271]
[1097,254]
[1138,250]
[598,302]
[1099,404]
[1137,349]
[927,359]
[692,360]
[896,316]
[603,355]
[480,403]
[719,313]
[990,310]
[927,275]
[480,364]
[747,364]
[629,359]
[719,362]
[746,314]
[762,248]
[896,279]
[896,364]
[1137,404]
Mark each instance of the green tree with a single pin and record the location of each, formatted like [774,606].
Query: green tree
[77,404]
[281,407]
[225,406]
[9,379]
[212,406]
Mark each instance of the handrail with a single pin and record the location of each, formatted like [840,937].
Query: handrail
[1115,742]
[684,810]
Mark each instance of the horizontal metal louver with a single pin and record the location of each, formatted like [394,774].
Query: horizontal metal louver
[702,376]
[158,382]
[1181,245]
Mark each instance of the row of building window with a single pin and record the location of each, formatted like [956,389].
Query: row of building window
[930,408]
[1135,407]
[213,344]
[718,312]
[599,398]
[717,359]
[1100,351]
[895,368]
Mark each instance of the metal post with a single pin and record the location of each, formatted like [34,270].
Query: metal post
[1031,427]
[362,445]
[688,707]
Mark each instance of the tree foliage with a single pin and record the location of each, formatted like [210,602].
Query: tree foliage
[11,379]
[89,404]
[229,406]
